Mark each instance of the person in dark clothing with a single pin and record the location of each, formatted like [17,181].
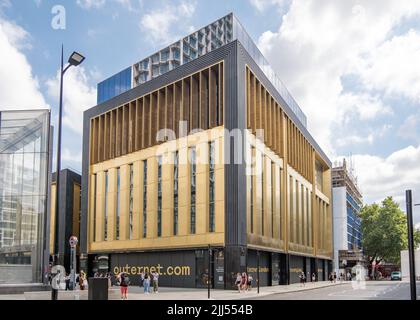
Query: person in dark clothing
[302,278]
[67,282]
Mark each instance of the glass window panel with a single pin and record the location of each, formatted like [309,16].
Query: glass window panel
[22,206]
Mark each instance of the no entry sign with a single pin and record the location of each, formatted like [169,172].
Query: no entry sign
[73,241]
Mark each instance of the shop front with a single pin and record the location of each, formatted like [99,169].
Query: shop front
[183,268]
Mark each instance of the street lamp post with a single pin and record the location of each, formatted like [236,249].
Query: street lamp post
[258,271]
[73,243]
[75,59]
[409,203]
[209,274]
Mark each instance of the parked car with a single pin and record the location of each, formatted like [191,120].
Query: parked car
[396,275]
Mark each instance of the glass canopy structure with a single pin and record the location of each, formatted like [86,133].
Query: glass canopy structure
[24,168]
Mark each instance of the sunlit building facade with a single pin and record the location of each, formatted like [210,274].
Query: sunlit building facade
[179,163]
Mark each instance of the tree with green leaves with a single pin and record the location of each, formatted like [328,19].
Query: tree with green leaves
[384,229]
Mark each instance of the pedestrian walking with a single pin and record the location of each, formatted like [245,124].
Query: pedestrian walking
[124,283]
[249,284]
[141,279]
[335,277]
[302,278]
[244,281]
[238,281]
[109,277]
[146,283]
[313,277]
[155,282]
[67,279]
[82,280]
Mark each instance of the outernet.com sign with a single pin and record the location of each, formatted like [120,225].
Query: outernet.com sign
[161,270]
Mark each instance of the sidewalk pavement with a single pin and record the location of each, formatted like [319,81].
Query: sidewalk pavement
[215,294]
[166,293]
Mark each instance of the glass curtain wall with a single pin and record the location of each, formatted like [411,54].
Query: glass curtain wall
[24,164]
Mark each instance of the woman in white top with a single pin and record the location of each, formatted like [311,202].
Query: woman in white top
[238,281]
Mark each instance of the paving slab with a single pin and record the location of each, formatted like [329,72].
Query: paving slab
[166,293]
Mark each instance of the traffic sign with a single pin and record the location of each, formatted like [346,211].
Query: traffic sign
[73,241]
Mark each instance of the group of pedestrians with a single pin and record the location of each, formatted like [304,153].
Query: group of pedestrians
[303,278]
[147,279]
[81,279]
[332,277]
[243,282]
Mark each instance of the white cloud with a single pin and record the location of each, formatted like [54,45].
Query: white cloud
[89,4]
[355,139]
[394,67]
[69,156]
[379,177]
[262,5]
[366,106]
[5,4]
[186,8]
[130,5]
[19,87]
[319,42]
[410,129]
[158,24]
[78,96]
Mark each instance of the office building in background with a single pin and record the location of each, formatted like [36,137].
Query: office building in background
[348,202]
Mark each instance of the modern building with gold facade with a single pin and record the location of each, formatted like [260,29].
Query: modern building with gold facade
[214,152]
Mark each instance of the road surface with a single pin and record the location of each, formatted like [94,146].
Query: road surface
[371,290]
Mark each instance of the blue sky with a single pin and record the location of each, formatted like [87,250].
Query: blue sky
[353,68]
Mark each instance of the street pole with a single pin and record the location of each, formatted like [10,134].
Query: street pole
[208,274]
[72,278]
[409,203]
[73,242]
[58,166]
[54,293]
[74,60]
[258,271]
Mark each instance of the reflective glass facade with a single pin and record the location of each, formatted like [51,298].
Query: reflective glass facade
[115,85]
[354,234]
[24,158]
